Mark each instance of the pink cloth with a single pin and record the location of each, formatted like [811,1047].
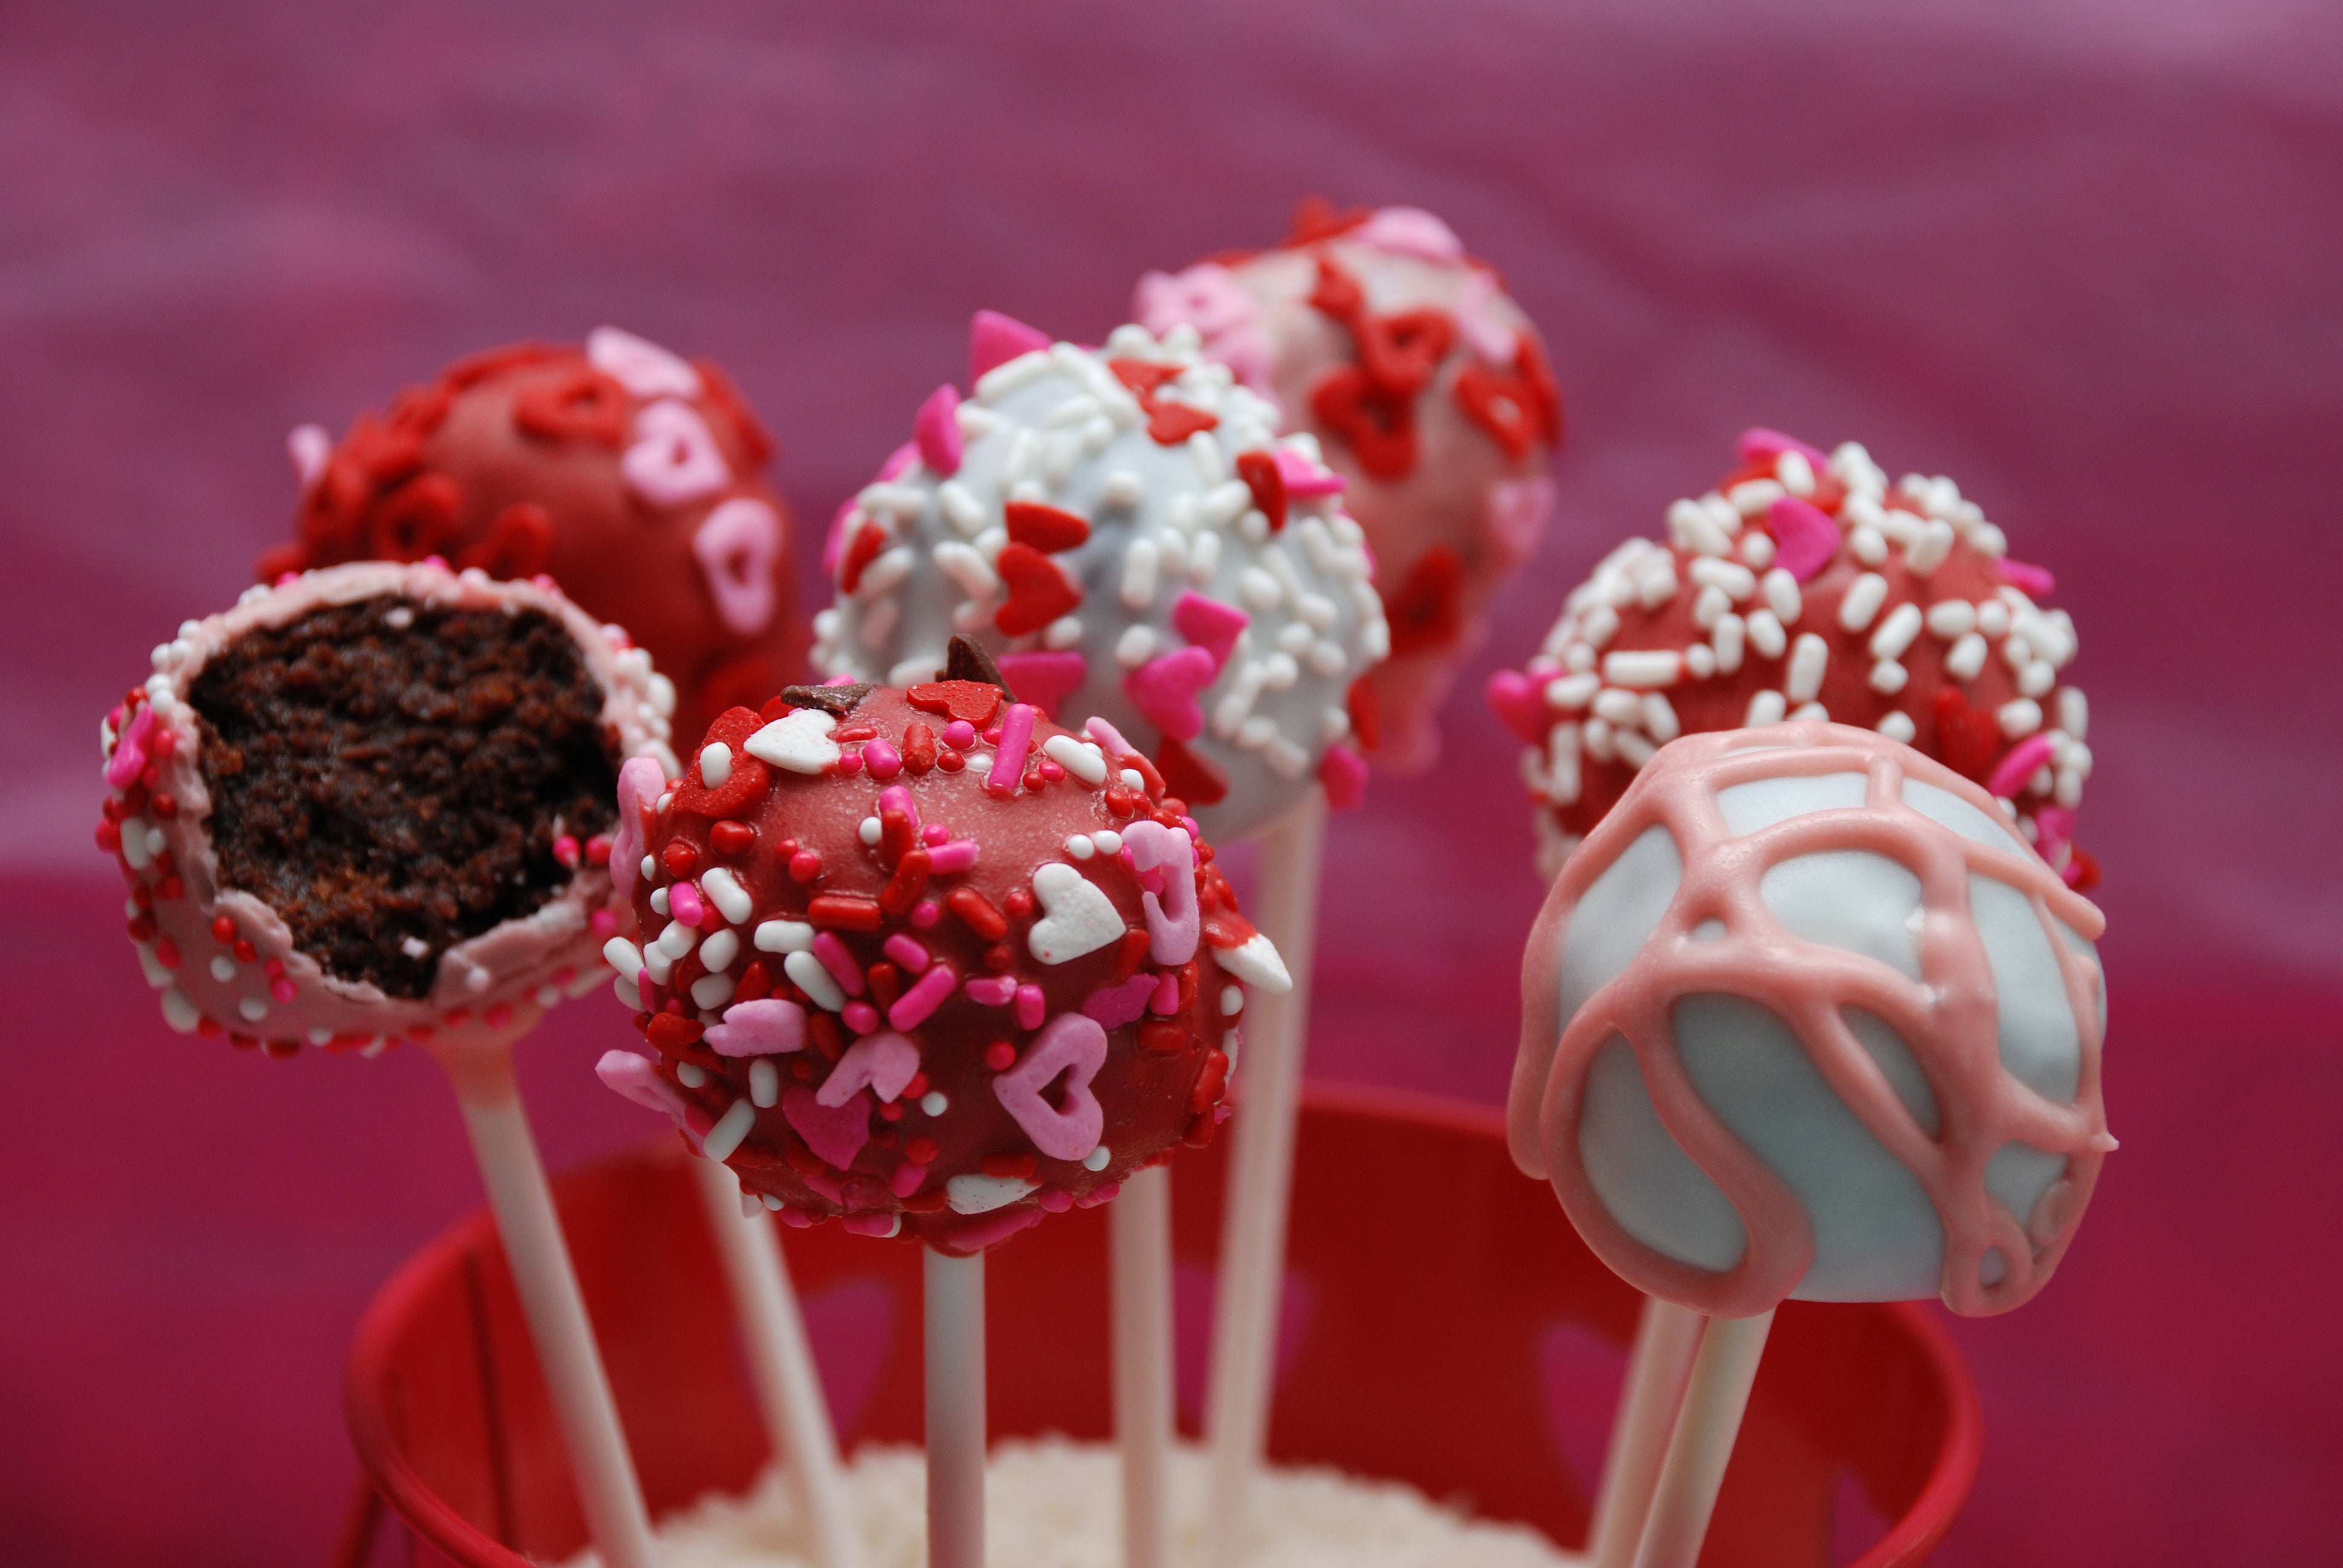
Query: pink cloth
[2083,257]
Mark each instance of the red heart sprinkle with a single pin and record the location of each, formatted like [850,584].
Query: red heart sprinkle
[1038,592]
[972,701]
[1047,529]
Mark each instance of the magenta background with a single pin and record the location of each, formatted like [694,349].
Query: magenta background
[2082,256]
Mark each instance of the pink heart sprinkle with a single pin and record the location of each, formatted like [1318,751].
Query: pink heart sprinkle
[766,1026]
[935,431]
[1044,679]
[1164,689]
[1116,1005]
[1343,772]
[1759,442]
[1804,538]
[994,339]
[1305,478]
[1410,231]
[626,1074]
[837,1133]
[1075,1045]
[674,457]
[1521,703]
[736,545]
[882,1063]
[1210,625]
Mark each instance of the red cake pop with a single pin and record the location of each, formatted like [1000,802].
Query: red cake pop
[630,476]
[1806,586]
[1426,387]
[924,959]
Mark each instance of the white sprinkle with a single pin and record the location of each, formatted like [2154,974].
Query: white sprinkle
[401,618]
[1897,633]
[1929,551]
[715,764]
[1728,635]
[1135,647]
[870,830]
[1644,667]
[1107,841]
[1887,677]
[675,942]
[617,953]
[1863,597]
[1966,657]
[764,1083]
[1796,474]
[1596,735]
[1123,490]
[806,973]
[1766,634]
[730,899]
[660,901]
[2074,712]
[690,1075]
[968,570]
[729,1130]
[1600,623]
[784,937]
[1754,497]
[2020,718]
[1660,719]
[1098,1158]
[1084,762]
[1757,549]
[1132,779]
[1138,564]
[1062,633]
[1634,749]
[1815,710]
[2037,678]
[712,990]
[1782,596]
[1259,590]
[1993,618]
[253,1008]
[1700,660]
[1808,661]
[1952,617]
[1712,606]
[960,509]
[224,968]
[1573,692]
[933,1104]
[649,868]
[1079,847]
[719,950]
[1622,709]
[1737,581]
[1870,546]
[1897,726]
[1231,1001]
[414,947]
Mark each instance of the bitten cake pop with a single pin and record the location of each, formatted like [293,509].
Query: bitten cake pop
[1426,389]
[375,801]
[1807,586]
[634,478]
[1804,1018]
[1123,530]
[923,960]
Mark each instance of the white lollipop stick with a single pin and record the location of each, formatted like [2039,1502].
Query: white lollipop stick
[481,1069]
[1143,1365]
[956,1437]
[1665,1338]
[1252,1231]
[782,1363]
[1714,1399]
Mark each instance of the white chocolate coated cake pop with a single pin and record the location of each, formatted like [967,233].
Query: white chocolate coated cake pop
[372,801]
[1428,390]
[1804,1018]
[1125,532]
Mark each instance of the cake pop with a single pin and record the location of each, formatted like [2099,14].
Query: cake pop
[1122,528]
[1804,1018]
[925,961]
[374,801]
[1805,585]
[1426,389]
[631,477]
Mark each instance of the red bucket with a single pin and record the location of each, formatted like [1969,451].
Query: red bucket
[1445,1327]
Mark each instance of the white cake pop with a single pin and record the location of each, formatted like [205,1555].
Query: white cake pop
[1122,529]
[1805,1018]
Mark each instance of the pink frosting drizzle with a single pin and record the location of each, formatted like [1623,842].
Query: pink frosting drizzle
[1949,1019]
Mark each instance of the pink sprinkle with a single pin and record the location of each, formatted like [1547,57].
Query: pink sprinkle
[281,989]
[1210,625]
[994,339]
[647,993]
[1164,689]
[875,1222]
[2010,776]
[1305,478]
[926,913]
[839,961]
[907,953]
[1055,1200]
[683,903]
[805,866]
[898,461]
[604,922]
[883,760]
[284,578]
[1343,772]
[1009,764]
[1195,834]
[991,990]
[1805,537]
[862,1018]
[1050,773]
[1519,702]
[1032,1007]
[439,561]
[129,758]
[850,763]
[840,680]
[1109,737]
[913,1008]
[1098,1195]
[960,735]
[895,798]
[1411,231]
[948,859]
[2034,582]
[934,833]
[935,431]
[907,1178]
[794,1219]
[1114,1006]
[566,849]
[1167,995]
[1759,442]
[833,548]
[1045,679]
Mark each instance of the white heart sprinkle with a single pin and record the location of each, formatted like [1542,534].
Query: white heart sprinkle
[798,740]
[982,1194]
[1257,964]
[1080,918]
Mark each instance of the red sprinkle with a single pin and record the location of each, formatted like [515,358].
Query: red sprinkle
[246,954]
[732,838]
[679,859]
[805,866]
[223,929]
[1019,905]
[843,911]
[918,748]
[1000,1056]
[976,912]
[1016,1166]
[1162,1034]
[921,1151]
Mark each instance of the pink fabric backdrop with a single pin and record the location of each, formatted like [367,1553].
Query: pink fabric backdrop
[2083,256]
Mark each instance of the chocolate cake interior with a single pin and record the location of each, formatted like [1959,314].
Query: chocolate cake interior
[391,778]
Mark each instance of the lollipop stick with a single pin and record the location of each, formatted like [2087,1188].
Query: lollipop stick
[1252,1231]
[1666,1339]
[1722,1374]
[1143,1365]
[781,1362]
[522,1202]
[955,1369]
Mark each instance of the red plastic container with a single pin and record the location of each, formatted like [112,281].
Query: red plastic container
[1446,1303]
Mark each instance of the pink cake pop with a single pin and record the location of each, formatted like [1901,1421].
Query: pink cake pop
[1805,1018]
[1426,389]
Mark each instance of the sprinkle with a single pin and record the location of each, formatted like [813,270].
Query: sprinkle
[1766,707]
[730,1128]
[933,1104]
[1642,668]
[1031,1006]
[731,900]
[1782,596]
[683,903]
[1887,677]
[1897,726]
[1863,597]
[1016,731]
[914,1007]
[1895,634]
[1809,658]
[1082,761]
[1766,634]
[1966,657]
[719,950]
[785,937]
[870,830]
[844,911]
[2019,718]
[991,990]
[949,859]
[1079,847]
[839,962]
[715,764]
